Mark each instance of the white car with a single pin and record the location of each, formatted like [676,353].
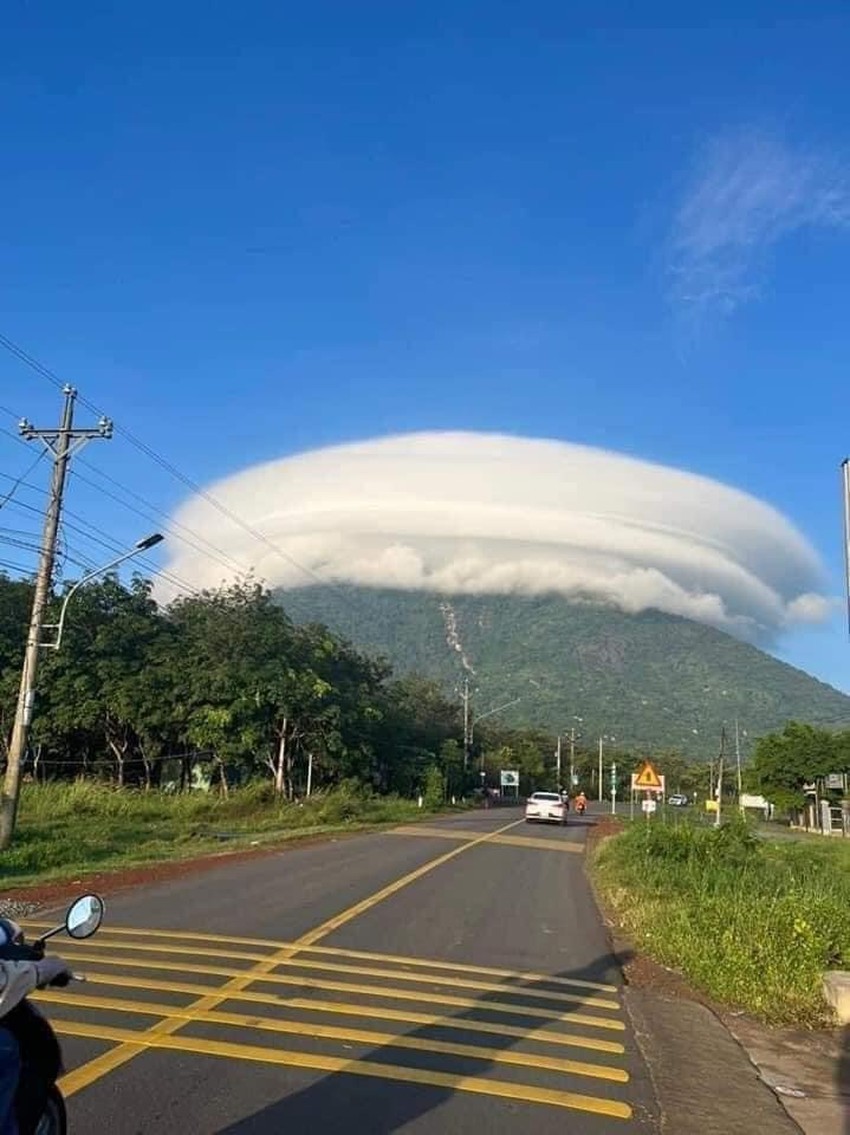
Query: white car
[545,807]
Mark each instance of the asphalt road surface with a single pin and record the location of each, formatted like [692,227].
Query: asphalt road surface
[447,978]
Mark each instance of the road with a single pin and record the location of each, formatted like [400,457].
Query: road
[446,978]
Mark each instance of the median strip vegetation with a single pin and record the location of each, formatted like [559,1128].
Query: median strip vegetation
[750,923]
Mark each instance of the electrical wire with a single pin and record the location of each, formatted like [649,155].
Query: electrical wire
[45,371]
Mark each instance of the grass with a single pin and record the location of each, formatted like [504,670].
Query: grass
[65,830]
[751,923]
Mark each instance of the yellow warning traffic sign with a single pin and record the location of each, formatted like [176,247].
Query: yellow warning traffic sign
[648,778]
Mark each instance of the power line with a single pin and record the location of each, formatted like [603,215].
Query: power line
[23,569]
[45,371]
[97,536]
[33,546]
[109,543]
[30,361]
[85,529]
[194,540]
[20,480]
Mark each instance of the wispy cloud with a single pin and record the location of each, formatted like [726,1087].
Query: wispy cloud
[748,190]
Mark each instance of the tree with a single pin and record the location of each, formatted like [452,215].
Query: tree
[784,762]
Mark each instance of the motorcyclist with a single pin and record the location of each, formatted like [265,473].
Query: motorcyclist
[17,980]
[581,802]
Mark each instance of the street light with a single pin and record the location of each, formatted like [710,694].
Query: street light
[142,546]
[481,716]
[604,737]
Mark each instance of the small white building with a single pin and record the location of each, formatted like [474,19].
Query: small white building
[750,800]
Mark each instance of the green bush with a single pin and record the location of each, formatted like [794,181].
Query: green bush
[435,788]
[752,924]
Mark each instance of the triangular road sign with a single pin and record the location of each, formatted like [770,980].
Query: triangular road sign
[648,778]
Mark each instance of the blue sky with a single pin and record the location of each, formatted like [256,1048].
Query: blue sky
[245,230]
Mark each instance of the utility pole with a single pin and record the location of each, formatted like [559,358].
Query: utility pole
[601,785]
[845,476]
[466,738]
[62,442]
[558,764]
[572,757]
[738,763]
[720,775]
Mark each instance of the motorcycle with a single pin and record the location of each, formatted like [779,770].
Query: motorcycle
[581,807]
[39,1105]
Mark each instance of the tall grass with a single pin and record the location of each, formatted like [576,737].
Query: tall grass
[752,924]
[68,829]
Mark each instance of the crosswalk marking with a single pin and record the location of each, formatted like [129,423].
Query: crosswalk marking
[371,1012]
[548,1034]
[509,1090]
[346,1034]
[375,971]
[335,951]
[426,996]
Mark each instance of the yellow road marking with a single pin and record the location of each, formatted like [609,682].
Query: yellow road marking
[348,1035]
[435,833]
[101,1065]
[374,971]
[333,951]
[507,840]
[128,1039]
[221,993]
[370,1012]
[331,924]
[545,844]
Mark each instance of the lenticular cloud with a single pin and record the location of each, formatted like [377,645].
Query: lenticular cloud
[482,513]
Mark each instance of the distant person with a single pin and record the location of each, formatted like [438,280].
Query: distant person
[581,803]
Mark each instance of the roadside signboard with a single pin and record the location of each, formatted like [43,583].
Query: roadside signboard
[835,780]
[662,784]
[648,805]
[647,778]
[509,778]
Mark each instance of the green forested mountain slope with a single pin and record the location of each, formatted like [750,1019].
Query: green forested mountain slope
[651,680]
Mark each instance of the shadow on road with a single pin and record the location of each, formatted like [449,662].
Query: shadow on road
[346,1103]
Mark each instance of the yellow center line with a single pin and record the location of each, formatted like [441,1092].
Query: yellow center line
[347,1035]
[248,977]
[156,1038]
[369,1012]
[100,1066]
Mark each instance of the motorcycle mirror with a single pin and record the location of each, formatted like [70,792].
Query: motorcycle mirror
[84,916]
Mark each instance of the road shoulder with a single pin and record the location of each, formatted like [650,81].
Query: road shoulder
[704,1080]
[707,1079]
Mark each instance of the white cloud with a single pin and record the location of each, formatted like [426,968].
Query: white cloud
[748,191]
[462,512]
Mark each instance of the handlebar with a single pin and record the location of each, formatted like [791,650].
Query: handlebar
[22,951]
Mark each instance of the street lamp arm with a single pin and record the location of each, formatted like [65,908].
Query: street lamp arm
[497,709]
[141,546]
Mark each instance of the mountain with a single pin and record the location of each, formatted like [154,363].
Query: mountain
[651,680]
